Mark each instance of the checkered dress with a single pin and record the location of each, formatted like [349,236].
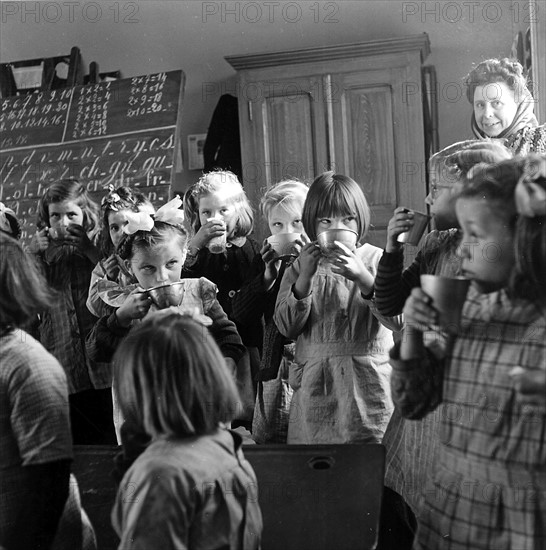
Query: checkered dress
[65,325]
[489,485]
[34,421]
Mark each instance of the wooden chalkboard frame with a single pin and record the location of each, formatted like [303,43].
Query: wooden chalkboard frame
[120,132]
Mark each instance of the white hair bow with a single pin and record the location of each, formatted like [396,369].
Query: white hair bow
[142,221]
[4,222]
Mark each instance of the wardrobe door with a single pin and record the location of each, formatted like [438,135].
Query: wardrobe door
[283,134]
[378,140]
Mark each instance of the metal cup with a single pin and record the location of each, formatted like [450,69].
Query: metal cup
[448,295]
[168,295]
[413,236]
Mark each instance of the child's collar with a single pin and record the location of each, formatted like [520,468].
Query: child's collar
[237,241]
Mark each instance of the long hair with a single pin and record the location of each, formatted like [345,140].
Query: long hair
[171,379]
[333,194]
[70,190]
[122,198]
[160,233]
[288,194]
[207,185]
[24,291]
[530,240]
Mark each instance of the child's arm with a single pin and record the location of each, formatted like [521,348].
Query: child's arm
[258,294]
[39,242]
[393,284]
[392,287]
[309,259]
[222,329]
[225,333]
[294,302]
[100,303]
[105,336]
[94,303]
[417,375]
[360,267]
[211,229]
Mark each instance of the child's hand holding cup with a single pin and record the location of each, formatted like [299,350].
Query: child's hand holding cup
[40,241]
[418,222]
[448,295]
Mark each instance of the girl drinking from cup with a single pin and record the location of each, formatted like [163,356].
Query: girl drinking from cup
[152,251]
[341,373]
[282,207]
[411,445]
[64,244]
[110,276]
[220,249]
[192,487]
[489,476]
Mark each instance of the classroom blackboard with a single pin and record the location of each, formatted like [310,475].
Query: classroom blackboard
[120,132]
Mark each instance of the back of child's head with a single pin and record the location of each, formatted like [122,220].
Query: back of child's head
[530,240]
[158,235]
[288,194]
[451,164]
[73,191]
[119,199]
[332,195]
[219,181]
[171,378]
[23,289]
[8,221]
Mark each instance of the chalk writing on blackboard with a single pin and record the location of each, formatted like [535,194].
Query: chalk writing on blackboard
[121,132]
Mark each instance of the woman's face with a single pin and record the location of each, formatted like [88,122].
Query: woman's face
[495,107]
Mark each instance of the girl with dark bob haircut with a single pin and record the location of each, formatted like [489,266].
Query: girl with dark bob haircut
[335,193]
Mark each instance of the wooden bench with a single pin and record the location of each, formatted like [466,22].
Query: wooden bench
[316,497]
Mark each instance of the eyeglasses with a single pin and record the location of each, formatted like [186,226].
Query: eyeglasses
[435,189]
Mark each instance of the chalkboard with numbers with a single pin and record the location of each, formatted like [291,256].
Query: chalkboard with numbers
[123,132]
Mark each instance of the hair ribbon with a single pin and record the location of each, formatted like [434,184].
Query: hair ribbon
[4,222]
[142,221]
